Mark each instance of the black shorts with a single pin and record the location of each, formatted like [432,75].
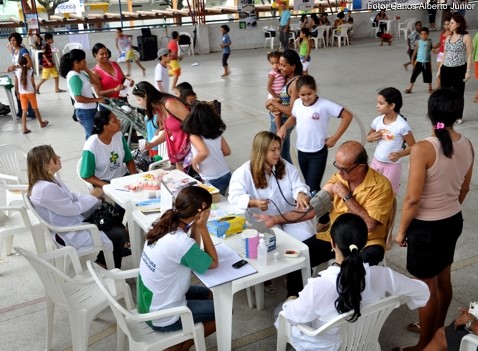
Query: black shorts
[453,337]
[431,245]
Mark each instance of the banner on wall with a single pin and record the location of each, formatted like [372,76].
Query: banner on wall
[247,14]
[303,5]
[72,6]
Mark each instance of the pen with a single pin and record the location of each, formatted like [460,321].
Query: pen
[123,190]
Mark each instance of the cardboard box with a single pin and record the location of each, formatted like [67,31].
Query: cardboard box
[216,196]
[226,226]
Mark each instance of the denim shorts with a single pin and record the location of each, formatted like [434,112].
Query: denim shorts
[201,307]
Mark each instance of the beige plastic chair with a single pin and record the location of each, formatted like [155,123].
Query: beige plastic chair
[133,324]
[70,46]
[406,27]
[13,173]
[78,294]
[78,167]
[361,335]
[49,244]
[270,36]
[15,220]
[320,30]
[342,34]
[373,30]
[469,343]
[163,152]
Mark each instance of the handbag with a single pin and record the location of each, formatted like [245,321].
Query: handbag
[105,216]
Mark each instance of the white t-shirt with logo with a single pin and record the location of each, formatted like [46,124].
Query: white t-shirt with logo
[312,122]
[392,137]
[105,161]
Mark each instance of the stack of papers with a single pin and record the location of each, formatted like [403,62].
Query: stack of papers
[225,272]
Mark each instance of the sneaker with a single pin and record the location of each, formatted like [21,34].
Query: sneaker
[459,121]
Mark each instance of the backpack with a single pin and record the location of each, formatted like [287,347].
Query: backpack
[4,109]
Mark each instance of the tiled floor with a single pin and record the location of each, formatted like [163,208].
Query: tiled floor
[349,75]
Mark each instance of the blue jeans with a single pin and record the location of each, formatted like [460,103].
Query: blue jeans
[222,183]
[86,117]
[285,152]
[201,307]
[312,166]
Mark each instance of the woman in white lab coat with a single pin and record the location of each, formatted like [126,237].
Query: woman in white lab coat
[270,188]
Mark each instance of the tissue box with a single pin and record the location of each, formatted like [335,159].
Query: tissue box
[270,240]
[226,226]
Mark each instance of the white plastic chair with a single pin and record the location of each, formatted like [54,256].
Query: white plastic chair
[133,324]
[469,343]
[270,36]
[373,30]
[361,335]
[35,60]
[78,167]
[70,46]
[49,228]
[163,152]
[15,220]
[78,295]
[406,27]
[320,30]
[342,34]
[187,47]
[13,173]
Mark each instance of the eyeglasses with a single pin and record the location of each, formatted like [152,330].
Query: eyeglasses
[345,170]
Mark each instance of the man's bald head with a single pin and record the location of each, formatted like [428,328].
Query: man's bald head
[353,152]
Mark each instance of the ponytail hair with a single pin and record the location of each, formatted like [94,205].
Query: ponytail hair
[67,60]
[189,202]
[445,106]
[22,61]
[349,233]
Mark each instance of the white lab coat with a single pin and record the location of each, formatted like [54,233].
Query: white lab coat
[242,189]
[60,207]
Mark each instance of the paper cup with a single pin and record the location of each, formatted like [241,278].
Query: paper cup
[142,144]
[250,238]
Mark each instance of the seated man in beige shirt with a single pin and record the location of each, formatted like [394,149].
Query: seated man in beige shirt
[358,189]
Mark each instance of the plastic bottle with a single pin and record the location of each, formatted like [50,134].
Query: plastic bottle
[262,251]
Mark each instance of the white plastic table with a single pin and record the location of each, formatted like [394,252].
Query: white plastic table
[127,200]
[224,294]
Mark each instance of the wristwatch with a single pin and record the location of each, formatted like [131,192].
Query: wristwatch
[347,197]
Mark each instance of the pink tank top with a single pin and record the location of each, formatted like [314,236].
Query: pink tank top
[109,81]
[443,181]
[177,143]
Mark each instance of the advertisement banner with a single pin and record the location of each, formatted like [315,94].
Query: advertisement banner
[247,14]
[303,5]
[72,6]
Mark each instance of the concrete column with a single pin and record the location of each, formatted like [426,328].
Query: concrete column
[202,40]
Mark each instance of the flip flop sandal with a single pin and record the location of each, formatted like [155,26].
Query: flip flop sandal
[414,327]
[60,91]
[44,124]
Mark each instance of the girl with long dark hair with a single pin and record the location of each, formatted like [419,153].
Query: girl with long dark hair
[439,179]
[169,256]
[346,286]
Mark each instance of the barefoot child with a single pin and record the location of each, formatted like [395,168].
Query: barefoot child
[390,130]
[385,38]
[123,44]
[275,83]
[304,49]
[25,89]
[226,49]
[421,61]
[49,68]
